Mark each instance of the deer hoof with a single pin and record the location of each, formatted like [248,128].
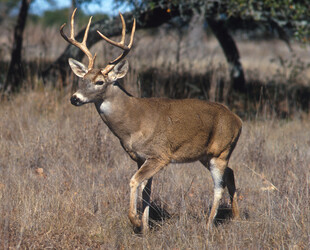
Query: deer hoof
[134,219]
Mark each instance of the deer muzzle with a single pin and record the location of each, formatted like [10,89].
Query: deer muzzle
[76,101]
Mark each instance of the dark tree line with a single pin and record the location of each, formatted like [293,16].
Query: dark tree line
[152,13]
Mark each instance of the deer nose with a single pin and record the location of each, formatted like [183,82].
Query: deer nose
[75,100]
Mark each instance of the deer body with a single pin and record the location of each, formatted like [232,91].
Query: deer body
[177,130]
[158,131]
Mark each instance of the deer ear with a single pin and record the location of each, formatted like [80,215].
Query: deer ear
[119,71]
[78,68]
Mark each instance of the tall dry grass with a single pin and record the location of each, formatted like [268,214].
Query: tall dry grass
[64,184]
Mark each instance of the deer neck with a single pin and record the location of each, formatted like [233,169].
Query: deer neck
[115,109]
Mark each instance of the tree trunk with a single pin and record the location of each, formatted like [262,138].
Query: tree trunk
[148,19]
[231,53]
[15,73]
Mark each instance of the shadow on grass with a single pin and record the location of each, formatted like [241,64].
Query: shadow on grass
[158,215]
[224,214]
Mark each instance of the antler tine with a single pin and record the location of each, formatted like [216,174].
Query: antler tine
[120,44]
[82,46]
[86,31]
[132,33]
[72,24]
[123,29]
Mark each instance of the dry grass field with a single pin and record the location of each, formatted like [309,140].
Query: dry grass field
[64,178]
[64,184]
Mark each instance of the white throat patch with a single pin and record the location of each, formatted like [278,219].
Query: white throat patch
[105,107]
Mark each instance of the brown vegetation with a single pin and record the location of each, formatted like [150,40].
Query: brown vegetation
[64,184]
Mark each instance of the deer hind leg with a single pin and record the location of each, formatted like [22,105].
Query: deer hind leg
[146,187]
[149,168]
[230,182]
[217,168]
[222,176]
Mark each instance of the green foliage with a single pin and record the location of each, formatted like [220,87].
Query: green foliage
[290,13]
[59,16]
[56,17]
[287,13]
[6,7]
[79,3]
[9,4]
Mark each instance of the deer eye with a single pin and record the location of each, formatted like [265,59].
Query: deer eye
[99,83]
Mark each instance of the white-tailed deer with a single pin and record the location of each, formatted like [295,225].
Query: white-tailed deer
[157,131]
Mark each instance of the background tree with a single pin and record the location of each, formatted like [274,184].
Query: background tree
[15,74]
[14,78]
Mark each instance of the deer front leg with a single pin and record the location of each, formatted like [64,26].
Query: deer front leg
[146,172]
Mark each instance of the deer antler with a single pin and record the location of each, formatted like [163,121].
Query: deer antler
[82,45]
[120,44]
